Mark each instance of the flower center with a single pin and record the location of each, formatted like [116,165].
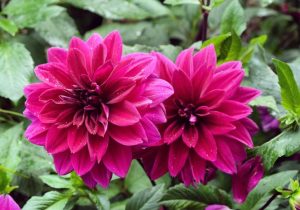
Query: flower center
[187,112]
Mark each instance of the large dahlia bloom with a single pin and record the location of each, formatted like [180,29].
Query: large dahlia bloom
[93,104]
[207,118]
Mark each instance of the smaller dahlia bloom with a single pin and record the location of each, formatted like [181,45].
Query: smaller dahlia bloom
[248,176]
[93,104]
[217,207]
[268,122]
[8,203]
[207,117]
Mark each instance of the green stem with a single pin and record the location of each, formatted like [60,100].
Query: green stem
[17,114]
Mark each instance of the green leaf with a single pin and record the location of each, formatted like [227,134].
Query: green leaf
[4,180]
[265,3]
[137,180]
[55,181]
[10,147]
[290,92]
[248,51]
[101,202]
[8,26]
[50,201]
[257,196]
[27,13]
[123,9]
[16,67]
[285,144]
[181,197]
[233,18]
[58,30]
[146,200]
[266,101]
[217,42]
[231,48]
[179,2]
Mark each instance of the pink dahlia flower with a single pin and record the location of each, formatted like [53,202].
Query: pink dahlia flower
[93,104]
[8,203]
[248,176]
[207,117]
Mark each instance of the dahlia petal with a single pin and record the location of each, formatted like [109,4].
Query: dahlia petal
[91,123]
[218,122]
[77,65]
[124,114]
[128,136]
[156,114]
[62,162]
[182,86]
[245,94]
[173,132]
[228,81]
[198,167]
[250,125]
[36,133]
[102,72]
[165,67]
[50,111]
[94,40]
[54,75]
[156,165]
[185,61]
[81,161]
[89,180]
[213,98]
[120,90]
[101,175]
[190,136]
[56,140]
[8,203]
[153,134]
[34,87]
[120,165]
[241,134]
[234,109]
[97,146]
[65,118]
[113,42]
[78,118]
[157,90]
[225,160]
[186,175]
[99,56]
[229,66]
[142,67]
[217,207]
[205,59]
[237,149]
[206,146]
[178,155]
[77,138]
[57,55]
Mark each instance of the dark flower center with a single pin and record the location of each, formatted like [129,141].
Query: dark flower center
[187,112]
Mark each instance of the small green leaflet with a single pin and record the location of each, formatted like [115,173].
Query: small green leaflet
[290,92]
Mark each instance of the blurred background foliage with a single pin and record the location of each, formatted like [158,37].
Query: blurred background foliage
[253,31]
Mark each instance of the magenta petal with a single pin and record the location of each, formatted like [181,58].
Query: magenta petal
[218,122]
[182,86]
[129,135]
[206,59]
[158,90]
[97,146]
[217,207]
[186,175]
[178,155]
[89,180]
[153,134]
[225,160]
[241,134]
[206,146]
[235,109]
[173,132]
[36,133]
[56,140]
[62,162]
[198,167]
[123,114]
[57,55]
[77,138]
[190,136]
[77,65]
[121,164]
[213,98]
[113,42]
[8,203]
[245,94]
[94,40]
[156,114]
[165,67]
[185,61]
[229,66]
[99,56]
[82,162]
[101,175]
